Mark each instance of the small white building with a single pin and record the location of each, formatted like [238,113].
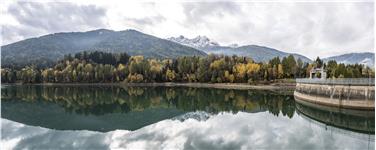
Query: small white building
[313,74]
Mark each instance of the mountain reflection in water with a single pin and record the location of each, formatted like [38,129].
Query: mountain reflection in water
[107,108]
[103,117]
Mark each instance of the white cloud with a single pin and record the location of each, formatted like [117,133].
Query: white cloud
[308,28]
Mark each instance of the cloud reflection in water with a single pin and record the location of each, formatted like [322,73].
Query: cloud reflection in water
[222,131]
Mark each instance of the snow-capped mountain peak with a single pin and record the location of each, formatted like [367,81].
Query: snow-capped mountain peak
[197,42]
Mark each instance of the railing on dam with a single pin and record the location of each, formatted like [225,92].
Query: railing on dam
[339,81]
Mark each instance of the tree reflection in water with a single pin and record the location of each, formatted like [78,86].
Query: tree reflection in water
[107,108]
[100,100]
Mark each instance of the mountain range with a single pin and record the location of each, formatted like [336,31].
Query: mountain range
[52,47]
[366,58]
[257,53]
[262,53]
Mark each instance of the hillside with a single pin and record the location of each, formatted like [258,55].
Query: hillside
[366,58]
[257,53]
[54,46]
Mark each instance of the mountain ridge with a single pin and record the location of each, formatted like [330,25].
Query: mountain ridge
[365,58]
[256,52]
[51,47]
[54,46]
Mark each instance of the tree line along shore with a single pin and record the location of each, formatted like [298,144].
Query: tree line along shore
[104,67]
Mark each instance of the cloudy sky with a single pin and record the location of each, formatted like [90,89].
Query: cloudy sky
[309,28]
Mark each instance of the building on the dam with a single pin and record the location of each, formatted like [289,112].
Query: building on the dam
[353,93]
[319,73]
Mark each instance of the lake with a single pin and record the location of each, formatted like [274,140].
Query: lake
[111,117]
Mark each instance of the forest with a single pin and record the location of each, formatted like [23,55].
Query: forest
[104,67]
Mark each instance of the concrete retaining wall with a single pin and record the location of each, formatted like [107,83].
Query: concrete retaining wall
[344,96]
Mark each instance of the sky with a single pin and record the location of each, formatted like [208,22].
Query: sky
[311,28]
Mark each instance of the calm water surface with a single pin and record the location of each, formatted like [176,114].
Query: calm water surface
[109,117]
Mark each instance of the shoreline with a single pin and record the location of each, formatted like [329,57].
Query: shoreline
[234,86]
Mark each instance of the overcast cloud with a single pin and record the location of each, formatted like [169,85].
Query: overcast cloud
[308,28]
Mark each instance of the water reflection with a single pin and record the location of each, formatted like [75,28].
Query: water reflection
[239,131]
[355,120]
[107,108]
[68,117]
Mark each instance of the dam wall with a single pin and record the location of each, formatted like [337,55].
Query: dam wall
[356,93]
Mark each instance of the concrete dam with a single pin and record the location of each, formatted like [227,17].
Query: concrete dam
[351,93]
